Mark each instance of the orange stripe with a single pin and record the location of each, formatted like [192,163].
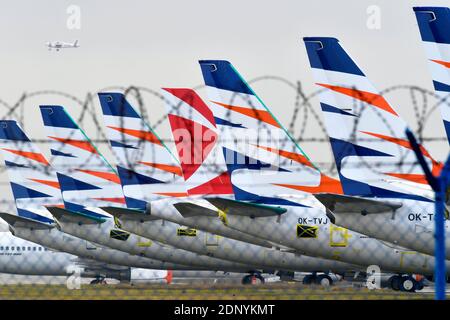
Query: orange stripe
[55,205]
[290,155]
[369,97]
[53,184]
[418,178]
[165,167]
[401,142]
[143,135]
[261,115]
[116,200]
[104,175]
[444,63]
[327,184]
[85,145]
[436,166]
[36,156]
[173,194]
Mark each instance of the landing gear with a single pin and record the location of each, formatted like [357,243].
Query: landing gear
[253,278]
[404,283]
[323,279]
[98,280]
[408,284]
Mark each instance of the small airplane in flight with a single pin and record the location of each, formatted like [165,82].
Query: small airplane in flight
[61,45]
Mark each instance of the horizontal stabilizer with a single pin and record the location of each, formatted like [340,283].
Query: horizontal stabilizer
[189,209]
[128,214]
[337,203]
[247,209]
[22,222]
[64,215]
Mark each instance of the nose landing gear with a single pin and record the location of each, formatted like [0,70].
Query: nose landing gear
[253,278]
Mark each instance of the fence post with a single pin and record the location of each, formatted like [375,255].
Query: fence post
[439,185]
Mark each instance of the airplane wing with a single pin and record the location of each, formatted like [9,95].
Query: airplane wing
[246,209]
[129,214]
[189,209]
[338,203]
[64,215]
[22,222]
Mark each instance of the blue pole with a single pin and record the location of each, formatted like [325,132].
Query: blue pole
[439,185]
[439,242]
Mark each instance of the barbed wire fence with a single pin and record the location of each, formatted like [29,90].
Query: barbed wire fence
[305,114]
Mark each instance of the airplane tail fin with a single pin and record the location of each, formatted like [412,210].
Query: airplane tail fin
[147,168]
[261,155]
[194,131]
[366,133]
[434,27]
[33,182]
[75,43]
[85,177]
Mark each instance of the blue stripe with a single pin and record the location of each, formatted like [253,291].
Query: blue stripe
[60,153]
[70,184]
[327,108]
[222,75]
[56,116]
[437,30]
[447,129]
[329,55]
[439,86]
[21,192]
[15,165]
[223,122]
[342,149]
[115,104]
[34,216]
[236,160]
[129,177]
[121,145]
[133,203]
[10,130]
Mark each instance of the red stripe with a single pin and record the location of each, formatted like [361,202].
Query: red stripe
[369,97]
[143,135]
[219,185]
[444,63]
[190,97]
[36,156]
[172,194]
[165,167]
[260,115]
[116,200]
[53,184]
[103,175]
[85,145]
[290,155]
[418,178]
[327,184]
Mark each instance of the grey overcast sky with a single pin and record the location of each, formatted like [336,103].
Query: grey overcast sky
[158,43]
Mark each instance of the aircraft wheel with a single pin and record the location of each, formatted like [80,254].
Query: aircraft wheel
[407,284]
[260,277]
[308,280]
[324,280]
[247,280]
[394,283]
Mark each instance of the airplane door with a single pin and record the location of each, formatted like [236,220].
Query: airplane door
[211,240]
